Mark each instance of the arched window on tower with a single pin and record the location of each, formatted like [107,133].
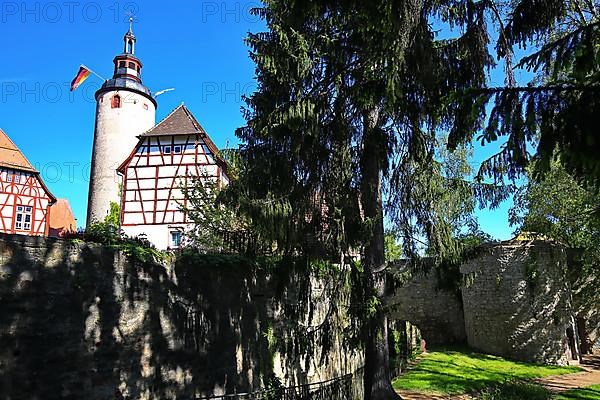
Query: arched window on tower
[116,101]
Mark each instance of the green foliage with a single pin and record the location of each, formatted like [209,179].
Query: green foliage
[453,372]
[402,351]
[531,271]
[559,110]
[393,250]
[104,233]
[341,86]
[273,388]
[108,233]
[560,208]
[114,214]
[587,393]
[216,225]
[515,390]
[200,260]
[468,245]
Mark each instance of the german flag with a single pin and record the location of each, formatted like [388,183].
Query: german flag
[82,75]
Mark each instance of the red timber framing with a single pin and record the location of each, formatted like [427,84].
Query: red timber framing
[160,166]
[24,198]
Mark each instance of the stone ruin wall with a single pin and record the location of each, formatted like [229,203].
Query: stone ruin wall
[516,302]
[80,321]
[437,312]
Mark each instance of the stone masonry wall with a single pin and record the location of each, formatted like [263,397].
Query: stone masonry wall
[80,321]
[437,312]
[518,302]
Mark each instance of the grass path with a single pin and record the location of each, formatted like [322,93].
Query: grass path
[588,377]
[452,373]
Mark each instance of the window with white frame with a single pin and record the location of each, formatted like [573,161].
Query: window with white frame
[167,150]
[177,149]
[23,218]
[176,237]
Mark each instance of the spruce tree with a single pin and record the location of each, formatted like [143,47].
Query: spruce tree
[352,98]
[345,123]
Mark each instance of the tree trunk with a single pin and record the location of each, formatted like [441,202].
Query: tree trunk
[377,377]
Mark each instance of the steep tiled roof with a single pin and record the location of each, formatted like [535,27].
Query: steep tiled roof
[179,122]
[11,156]
[62,220]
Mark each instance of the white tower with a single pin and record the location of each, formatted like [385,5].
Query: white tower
[124,110]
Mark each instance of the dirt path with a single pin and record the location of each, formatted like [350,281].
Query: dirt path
[590,376]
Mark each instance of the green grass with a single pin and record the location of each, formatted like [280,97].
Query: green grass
[457,372]
[588,393]
[515,391]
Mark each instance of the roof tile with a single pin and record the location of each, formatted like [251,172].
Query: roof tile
[11,156]
[179,122]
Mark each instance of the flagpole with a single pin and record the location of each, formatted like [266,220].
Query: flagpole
[89,69]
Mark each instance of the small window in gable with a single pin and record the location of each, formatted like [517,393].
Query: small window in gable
[17,178]
[177,149]
[9,177]
[116,101]
[167,149]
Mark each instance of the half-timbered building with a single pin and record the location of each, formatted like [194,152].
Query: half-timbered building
[24,198]
[156,172]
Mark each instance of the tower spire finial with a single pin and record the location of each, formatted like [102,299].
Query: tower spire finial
[130,37]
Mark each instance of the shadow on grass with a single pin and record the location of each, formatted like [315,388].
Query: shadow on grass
[457,371]
[515,391]
[588,393]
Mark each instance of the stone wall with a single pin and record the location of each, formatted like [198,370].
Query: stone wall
[80,321]
[436,311]
[517,303]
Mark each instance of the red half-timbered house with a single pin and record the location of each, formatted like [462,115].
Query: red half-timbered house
[24,198]
[155,172]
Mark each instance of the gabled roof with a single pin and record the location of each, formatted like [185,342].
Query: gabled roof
[11,156]
[61,219]
[180,121]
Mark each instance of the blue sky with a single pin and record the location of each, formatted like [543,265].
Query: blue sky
[195,47]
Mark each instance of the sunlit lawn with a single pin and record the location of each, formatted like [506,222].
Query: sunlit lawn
[588,393]
[458,372]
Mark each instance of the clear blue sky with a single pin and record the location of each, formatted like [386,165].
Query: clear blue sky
[195,47]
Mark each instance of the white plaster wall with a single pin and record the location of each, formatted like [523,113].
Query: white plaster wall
[114,138]
[158,235]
